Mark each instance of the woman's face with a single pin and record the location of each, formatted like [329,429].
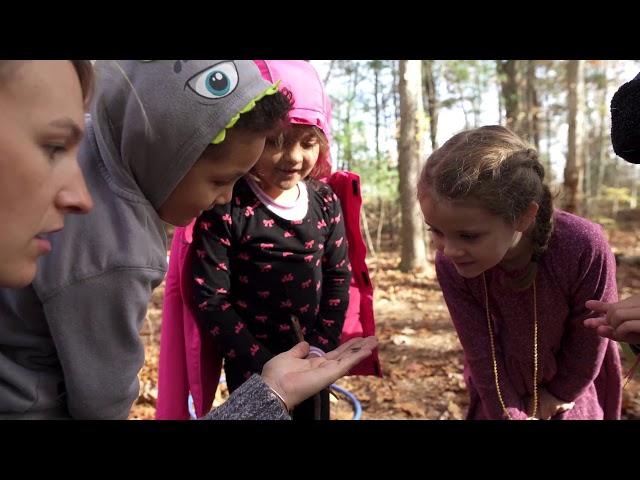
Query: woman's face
[41,124]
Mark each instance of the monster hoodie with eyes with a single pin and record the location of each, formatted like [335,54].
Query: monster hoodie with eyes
[155,118]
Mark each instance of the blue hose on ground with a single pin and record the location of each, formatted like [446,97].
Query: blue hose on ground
[357,407]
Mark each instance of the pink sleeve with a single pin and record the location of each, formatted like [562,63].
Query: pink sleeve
[580,358]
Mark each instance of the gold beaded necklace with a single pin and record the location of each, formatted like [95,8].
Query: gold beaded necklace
[535,351]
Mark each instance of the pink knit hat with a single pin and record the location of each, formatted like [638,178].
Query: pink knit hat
[311,103]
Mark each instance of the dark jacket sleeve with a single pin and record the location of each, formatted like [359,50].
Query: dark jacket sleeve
[253,400]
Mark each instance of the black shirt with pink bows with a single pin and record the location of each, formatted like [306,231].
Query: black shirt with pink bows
[253,270]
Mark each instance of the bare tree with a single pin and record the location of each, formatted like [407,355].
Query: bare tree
[510,87]
[532,105]
[430,100]
[413,253]
[520,97]
[574,169]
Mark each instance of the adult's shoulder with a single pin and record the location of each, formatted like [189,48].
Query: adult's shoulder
[115,234]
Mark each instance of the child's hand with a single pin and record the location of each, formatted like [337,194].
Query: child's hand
[296,378]
[549,405]
[621,322]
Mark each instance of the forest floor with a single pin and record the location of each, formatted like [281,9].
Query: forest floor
[419,351]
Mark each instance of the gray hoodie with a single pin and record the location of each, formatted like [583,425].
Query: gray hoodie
[70,343]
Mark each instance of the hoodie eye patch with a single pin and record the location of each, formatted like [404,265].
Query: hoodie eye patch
[215,82]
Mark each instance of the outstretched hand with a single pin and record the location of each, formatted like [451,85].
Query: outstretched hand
[297,378]
[620,320]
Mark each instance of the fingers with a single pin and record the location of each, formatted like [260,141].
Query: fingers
[597,306]
[565,407]
[367,344]
[605,331]
[549,411]
[628,332]
[616,313]
[629,302]
[352,343]
[603,307]
[351,355]
[600,325]
[355,355]
[620,314]
[595,322]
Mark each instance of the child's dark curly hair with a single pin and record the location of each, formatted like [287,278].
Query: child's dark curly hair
[269,112]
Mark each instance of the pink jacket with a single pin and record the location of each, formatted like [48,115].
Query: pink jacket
[188,358]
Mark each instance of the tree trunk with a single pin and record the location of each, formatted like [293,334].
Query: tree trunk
[574,169]
[602,135]
[393,213]
[476,99]
[518,95]
[375,64]
[633,202]
[462,100]
[353,88]
[376,84]
[616,184]
[509,82]
[328,75]
[532,106]
[586,184]
[380,225]
[413,254]
[431,104]
[499,105]
[396,103]
[548,119]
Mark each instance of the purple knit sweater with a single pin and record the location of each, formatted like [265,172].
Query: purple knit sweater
[574,363]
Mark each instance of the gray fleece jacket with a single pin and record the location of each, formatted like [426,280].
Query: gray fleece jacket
[69,343]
